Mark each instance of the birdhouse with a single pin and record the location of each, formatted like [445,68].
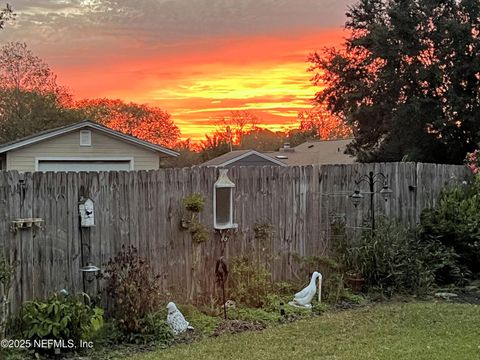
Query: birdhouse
[223,202]
[86,210]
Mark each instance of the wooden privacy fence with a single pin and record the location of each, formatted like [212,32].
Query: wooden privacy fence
[144,209]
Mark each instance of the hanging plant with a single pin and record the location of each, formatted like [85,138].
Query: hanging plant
[194,203]
[200,233]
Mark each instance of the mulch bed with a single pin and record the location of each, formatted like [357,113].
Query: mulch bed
[238,326]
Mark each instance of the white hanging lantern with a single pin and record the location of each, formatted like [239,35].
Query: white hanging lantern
[223,202]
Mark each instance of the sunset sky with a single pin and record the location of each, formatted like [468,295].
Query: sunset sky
[196,59]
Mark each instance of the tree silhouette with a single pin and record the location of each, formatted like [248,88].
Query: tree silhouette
[407,79]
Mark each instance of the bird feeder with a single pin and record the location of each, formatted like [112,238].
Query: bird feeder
[223,202]
[86,210]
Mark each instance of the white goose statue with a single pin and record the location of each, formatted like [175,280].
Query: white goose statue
[304,297]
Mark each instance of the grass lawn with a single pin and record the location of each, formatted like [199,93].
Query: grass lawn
[411,331]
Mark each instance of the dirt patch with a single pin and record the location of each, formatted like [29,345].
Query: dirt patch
[238,326]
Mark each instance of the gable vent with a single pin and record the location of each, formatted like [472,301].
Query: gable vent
[85,138]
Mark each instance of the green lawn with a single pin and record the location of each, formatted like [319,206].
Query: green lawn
[413,331]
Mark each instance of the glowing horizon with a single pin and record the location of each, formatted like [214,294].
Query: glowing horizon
[200,90]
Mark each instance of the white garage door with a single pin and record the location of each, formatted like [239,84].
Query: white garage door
[83,165]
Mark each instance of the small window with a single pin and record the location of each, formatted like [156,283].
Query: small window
[85,138]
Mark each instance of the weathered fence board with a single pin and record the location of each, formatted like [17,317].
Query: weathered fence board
[144,209]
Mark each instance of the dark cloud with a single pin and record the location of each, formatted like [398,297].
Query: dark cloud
[162,22]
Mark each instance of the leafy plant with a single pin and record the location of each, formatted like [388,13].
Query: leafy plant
[249,314]
[194,203]
[472,160]
[154,330]
[59,317]
[350,297]
[454,223]
[200,232]
[278,304]
[250,283]
[333,287]
[395,260]
[202,322]
[133,287]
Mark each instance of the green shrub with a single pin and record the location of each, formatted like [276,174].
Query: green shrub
[394,260]
[333,287]
[133,288]
[455,223]
[60,318]
[249,282]
[154,330]
[350,297]
[108,335]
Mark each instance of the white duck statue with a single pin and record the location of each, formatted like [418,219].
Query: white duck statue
[304,297]
[176,320]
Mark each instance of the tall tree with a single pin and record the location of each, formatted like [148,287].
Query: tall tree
[262,140]
[22,70]
[23,113]
[143,121]
[214,145]
[30,98]
[235,124]
[188,156]
[407,79]
[325,125]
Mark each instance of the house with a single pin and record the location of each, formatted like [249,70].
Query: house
[83,146]
[243,158]
[314,152]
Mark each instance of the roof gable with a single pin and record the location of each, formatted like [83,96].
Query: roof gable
[234,156]
[48,134]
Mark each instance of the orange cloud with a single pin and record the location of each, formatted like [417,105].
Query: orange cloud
[199,81]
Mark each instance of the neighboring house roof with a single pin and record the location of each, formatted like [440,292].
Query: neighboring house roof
[44,135]
[234,156]
[317,152]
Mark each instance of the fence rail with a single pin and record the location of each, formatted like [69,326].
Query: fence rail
[144,209]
